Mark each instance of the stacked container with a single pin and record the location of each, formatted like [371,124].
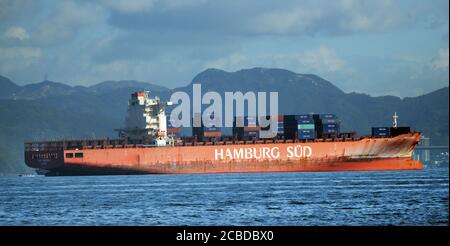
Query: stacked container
[171,130]
[327,125]
[299,127]
[306,128]
[279,127]
[249,130]
[290,126]
[381,131]
[206,133]
[395,131]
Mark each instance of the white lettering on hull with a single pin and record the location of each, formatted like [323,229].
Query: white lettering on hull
[246,153]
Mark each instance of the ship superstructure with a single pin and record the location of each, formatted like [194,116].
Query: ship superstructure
[146,120]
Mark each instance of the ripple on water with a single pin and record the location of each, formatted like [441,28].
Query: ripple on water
[343,198]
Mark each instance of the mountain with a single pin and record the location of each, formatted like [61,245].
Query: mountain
[49,89]
[108,86]
[8,87]
[307,93]
[49,110]
[44,89]
[297,93]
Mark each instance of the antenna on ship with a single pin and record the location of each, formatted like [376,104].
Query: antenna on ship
[395,117]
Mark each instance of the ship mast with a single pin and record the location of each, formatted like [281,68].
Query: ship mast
[394,117]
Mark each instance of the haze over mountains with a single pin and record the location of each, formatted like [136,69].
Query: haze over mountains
[49,109]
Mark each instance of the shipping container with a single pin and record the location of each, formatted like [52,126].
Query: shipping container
[290,117]
[170,122]
[251,128]
[173,130]
[251,121]
[306,126]
[328,116]
[381,131]
[330,121]
[174,134]
[201,132]
[303,116]
[310,131]
[245,121]
[330,125]
[324,116]
[248,135]
[212,134]
[330,130]
[211,129]
[305,121]
[280,127]
[395,131]
[306,134]
[290,124]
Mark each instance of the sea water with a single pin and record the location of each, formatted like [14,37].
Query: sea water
[327,198]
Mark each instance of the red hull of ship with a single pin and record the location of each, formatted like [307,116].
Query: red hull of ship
[368,154]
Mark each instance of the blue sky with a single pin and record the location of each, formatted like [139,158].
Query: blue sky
[377,47]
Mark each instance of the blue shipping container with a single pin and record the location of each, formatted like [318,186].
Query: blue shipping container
[250,121]
[330,130]
[211,129]
[328,116]
[306,136]
[330,121]
[306,131]
[381,131]
[175,134]
[169,122]
[305,121]
[250,133]
[303,116]
[330,125]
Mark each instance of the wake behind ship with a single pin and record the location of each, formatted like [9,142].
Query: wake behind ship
[150,145]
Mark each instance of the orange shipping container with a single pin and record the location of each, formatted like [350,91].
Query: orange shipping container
[212,134]
[173,130]
[252,128]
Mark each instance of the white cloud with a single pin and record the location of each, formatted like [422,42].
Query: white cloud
[294,17]
[20,52]
[14,58]
[17,32]
[128,6]
[441,61]
[66,20]
[135,6]
[232,62]
[286,21]
[322,59]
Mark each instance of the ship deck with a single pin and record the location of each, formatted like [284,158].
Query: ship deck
[80,144]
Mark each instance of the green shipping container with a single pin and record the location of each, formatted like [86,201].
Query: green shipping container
[306,126]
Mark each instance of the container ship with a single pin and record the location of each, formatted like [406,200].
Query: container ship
[149,144]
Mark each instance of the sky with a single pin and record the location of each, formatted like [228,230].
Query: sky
[378,47]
